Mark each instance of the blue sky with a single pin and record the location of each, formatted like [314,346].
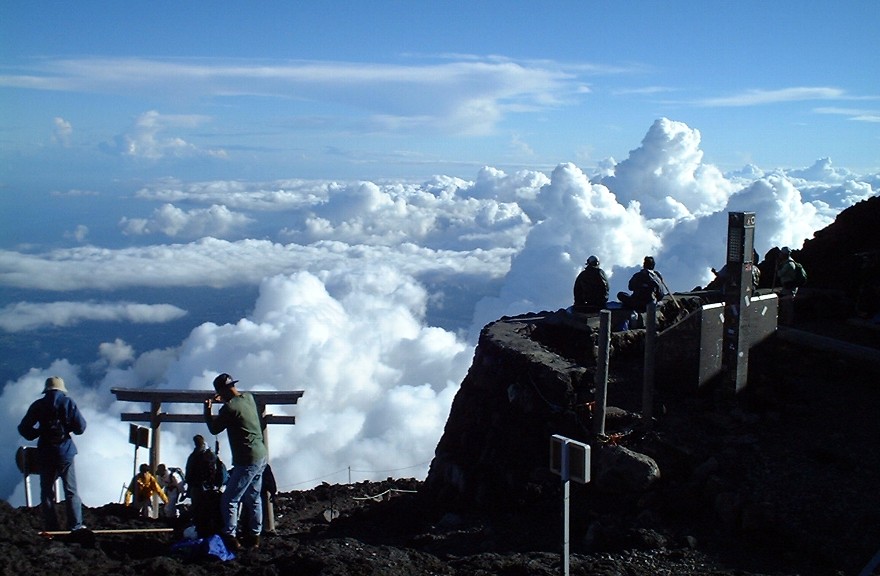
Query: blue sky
[191,188]
[412,89]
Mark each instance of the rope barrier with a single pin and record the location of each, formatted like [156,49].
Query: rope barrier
[378,496]
[289,487]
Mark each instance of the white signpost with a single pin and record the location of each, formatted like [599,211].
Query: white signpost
[569,459]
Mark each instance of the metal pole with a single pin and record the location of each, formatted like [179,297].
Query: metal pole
[566,493]
[650,347]
[601,378]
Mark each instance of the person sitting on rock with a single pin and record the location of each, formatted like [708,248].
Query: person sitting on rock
[591,287]
[646,286]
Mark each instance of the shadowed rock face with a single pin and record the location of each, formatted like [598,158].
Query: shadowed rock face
[533,376]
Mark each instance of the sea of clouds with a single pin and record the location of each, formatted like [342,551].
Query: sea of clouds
[354,279]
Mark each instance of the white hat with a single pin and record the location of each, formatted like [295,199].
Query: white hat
[54,383]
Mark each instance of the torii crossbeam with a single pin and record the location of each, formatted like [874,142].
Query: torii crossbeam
[155,417]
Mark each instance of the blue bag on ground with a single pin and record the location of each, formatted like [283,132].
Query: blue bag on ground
[202,549]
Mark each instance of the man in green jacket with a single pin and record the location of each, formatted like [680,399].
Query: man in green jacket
[244,429]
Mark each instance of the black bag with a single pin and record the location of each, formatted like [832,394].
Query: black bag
[800,275]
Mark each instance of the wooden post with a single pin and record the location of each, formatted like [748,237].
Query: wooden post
[268,507]
[601,378]
[648,377]
[155,453]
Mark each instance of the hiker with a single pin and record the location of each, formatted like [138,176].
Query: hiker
[50,421]
[646,286]
[142,488]
[787,276]
[204,488]
[590,287]
[168,481]
[240,418]
[721,276]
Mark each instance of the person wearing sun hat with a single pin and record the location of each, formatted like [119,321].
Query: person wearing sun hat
[50,421]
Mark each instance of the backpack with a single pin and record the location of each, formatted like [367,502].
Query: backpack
[54,433]
[219,475]
[800,275]
[215,474]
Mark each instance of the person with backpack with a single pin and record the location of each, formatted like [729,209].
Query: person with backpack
[50,421]
[172,482]
[591,287]
[241,419]
[204,481]
[646,285]
[789,276]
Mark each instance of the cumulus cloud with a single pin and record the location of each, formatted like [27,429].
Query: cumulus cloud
[79,234]
[667,177]
[216,221]
[62,132]
[149,138]
[23,316]
[378,382]
[116,353]
[350,272]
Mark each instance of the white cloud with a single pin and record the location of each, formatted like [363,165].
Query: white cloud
[116,353]
[148,138]
[23,316]
[356,269]
[667,177]
[855,114]
[761,97]
[80,233]
[216,221]
[468,95]
[378,383]
[62,132]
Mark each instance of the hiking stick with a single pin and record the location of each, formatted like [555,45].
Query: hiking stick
[668,291]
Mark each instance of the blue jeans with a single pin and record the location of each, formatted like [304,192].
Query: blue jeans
[66,471]
[244,486]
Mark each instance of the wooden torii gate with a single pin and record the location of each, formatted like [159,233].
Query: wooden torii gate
[155,417]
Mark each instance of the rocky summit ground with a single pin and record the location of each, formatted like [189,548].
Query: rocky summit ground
[788,485]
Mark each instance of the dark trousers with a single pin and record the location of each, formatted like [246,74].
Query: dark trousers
[50,471]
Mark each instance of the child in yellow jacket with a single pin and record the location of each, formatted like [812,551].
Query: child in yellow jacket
[143,486]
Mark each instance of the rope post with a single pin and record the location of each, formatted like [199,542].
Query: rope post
[648,377]
[601,378]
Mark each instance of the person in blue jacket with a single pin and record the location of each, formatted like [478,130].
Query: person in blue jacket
[50,421]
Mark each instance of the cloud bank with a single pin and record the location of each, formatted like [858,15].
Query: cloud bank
[23,316]
[354,278]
